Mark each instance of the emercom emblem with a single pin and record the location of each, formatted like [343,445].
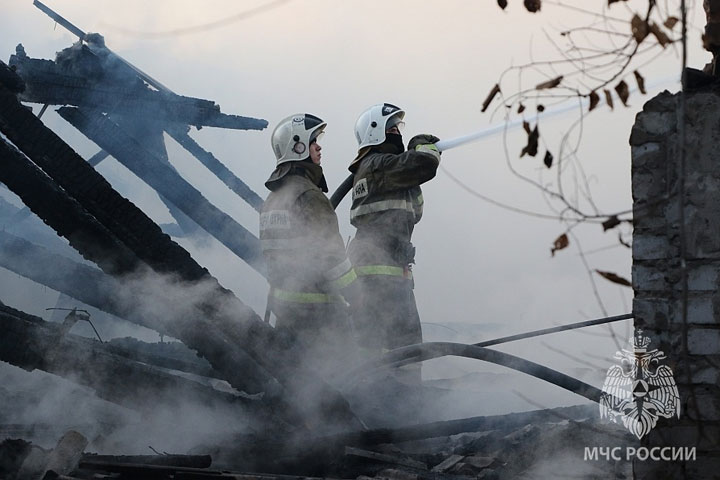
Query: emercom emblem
[639,390]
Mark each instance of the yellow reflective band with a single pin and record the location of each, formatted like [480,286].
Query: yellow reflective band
[381,206]
[305,297]
[420,200]
[429,148]
[382,270]
[345,280]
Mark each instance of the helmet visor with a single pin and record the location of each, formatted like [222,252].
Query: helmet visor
[395,122]
[317,135]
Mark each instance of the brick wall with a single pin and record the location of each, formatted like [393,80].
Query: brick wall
[663,288]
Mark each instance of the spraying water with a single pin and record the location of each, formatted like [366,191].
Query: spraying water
[448,144]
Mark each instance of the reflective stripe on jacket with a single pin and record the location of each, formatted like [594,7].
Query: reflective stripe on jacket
[389,270]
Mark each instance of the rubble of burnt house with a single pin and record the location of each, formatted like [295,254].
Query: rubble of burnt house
[272,418]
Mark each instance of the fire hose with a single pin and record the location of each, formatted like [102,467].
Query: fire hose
[443,145]
[426,351]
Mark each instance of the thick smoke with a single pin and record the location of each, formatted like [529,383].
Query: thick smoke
[459,387]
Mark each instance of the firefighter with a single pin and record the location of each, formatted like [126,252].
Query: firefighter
[307,265]
[386,204]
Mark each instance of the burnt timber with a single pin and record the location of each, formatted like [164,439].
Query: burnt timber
[31,343]
[93,77]
[217,324]
[158,173]
[150,244]
[134,134]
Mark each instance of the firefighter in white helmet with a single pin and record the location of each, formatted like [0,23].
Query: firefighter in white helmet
[386,204]
[308,269]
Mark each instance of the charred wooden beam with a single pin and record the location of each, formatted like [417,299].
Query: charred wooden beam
[82,282]
[93,192]
[134,470]
[31,343]
[10,79]
[129,223]
[167,182]
[45,198]
[384,458]
[49,83]
[152,354]
[90,286]
[191,461]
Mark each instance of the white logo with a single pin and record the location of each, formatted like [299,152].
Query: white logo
[274,219]
[636,393]
[360,189]
[386,110]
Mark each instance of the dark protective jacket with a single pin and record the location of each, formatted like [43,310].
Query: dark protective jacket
[387,203]
[306,260]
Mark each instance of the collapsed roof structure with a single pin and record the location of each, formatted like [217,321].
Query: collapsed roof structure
[126,113]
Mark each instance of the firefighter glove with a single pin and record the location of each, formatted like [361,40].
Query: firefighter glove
[422,139]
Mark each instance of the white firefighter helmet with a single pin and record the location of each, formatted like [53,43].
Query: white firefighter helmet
[293,135]
[371,125]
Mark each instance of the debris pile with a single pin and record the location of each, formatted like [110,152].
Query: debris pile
[553,444]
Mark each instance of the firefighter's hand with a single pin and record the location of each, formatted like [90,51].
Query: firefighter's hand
[422,139]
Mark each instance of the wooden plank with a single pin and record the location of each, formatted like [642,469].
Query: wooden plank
[382,457]
[447,464]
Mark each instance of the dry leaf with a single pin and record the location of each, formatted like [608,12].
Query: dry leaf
[671,22]
[521,108]
[541,108]
[532,5]
[663,39]
[502,4]
[594,100]
[639,28]
[640,82]
[611,222]
[549,84]
[548,159]
[532,146]
[495,90]
[622,91]
[561,242]
[615,278]
[608,98]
